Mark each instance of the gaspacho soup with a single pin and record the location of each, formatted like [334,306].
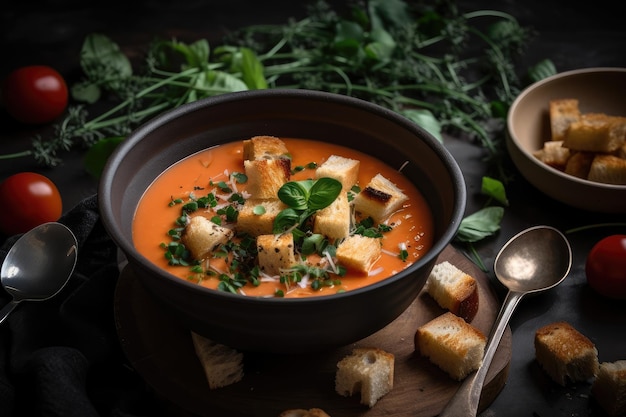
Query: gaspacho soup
[282,217]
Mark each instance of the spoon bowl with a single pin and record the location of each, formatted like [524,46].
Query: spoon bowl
[533,261]
[38,265]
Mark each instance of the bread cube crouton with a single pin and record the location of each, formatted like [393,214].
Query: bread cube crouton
[369,371]
[562,113]
[358,253]
[554,154]
[334,221]
[452,344]
[303,412]
[608,169]
[264,147]
[266,176]
[596,132]
[344,170]
[379,199]
[275,252]
[579,164]
[201,236]
[222,365]
[609,388]
[453,290]
[565,354]
[258,224]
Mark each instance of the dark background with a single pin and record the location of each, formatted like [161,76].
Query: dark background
[571,34]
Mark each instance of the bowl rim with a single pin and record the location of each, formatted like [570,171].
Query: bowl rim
[456,175]
[528,90]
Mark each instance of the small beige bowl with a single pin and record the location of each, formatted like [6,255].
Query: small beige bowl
[600,90]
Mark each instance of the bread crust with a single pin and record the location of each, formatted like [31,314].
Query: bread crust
[609,387]
[454,290]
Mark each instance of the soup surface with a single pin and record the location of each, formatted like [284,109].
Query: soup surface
[411,227]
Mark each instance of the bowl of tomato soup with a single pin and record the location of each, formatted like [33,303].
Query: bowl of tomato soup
[282,221]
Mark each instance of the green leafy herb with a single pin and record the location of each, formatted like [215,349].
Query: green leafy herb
[481,224]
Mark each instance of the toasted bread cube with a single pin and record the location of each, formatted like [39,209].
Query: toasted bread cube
[259,224]
[303,412]
[579,164]
[453,290]
[608,169]
[596,132]
[266,176]
[264,147]
[275,252]
[369,371]
[452,344]
[344,170]
[222,365]
[565,354]
[334,221]
[379,199]
[554,154]
[609,387]
[201,236]
[358,253]
[562,113]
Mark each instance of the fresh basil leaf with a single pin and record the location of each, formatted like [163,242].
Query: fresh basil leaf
[323,192]
[285,220]
[425,119]
[96,156]
[102,59]
[479,225]
[313,244]
[86,92]
[541,70]
[252,71]
[294,194]
[495,189]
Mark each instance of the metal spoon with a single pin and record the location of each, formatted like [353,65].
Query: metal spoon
[534,260]
[38,265]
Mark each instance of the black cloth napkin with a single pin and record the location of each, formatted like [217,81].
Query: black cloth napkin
[62,357]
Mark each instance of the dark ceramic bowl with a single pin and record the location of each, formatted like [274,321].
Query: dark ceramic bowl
[276,324]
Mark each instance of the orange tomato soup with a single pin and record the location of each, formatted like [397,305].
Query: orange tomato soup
[412,225]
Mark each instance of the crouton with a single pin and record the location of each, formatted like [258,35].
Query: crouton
[334,221]
[222,365]
[264,147]
[266,176]
[565,354]
[609,387]
[358,253]
[369,371]
[596,132]
[562,113]
[452,344]
[608,169]
[303,412]
[554,154]
[275,252]
[344,170]
[259,224]
[579,164]
[201,236]
[453,290]
[379,199]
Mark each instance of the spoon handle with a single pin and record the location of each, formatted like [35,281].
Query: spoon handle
[6,310]
[466,400]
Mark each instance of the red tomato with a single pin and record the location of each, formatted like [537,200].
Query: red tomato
[27,200]
[35,94]
[606,267]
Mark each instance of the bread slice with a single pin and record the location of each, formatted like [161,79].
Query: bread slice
[379,199]
[358,253]
[609,387]
[369,371]
[334,221]
[562,113]
[453,290]
[554,154]
[264,147]
[222,365]
[248,221]
[565,354]
[266,176]
[608,169]
[344,170]
[452,344]
[301,412]
[201,236]
[275,252]
[596,132]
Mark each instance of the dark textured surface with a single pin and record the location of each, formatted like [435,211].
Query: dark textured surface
[571,34]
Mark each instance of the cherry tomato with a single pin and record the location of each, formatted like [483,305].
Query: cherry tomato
[35,94]
[27,200]
[606,267]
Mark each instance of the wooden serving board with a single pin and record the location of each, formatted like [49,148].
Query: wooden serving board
[161,351]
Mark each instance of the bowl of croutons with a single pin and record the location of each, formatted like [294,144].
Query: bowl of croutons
[567,137]
[282,221]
